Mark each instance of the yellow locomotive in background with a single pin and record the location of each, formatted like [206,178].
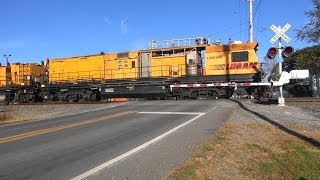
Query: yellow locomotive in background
[20,73]
[233,62]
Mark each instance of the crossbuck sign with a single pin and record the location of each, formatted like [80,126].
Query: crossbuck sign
[280,33]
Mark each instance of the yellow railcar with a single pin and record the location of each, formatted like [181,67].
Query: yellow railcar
[5,75]
[198,61]
[21,74]
[81,68]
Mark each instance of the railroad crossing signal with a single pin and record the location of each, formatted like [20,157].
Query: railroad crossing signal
[287,51]
[279,36]
[280,33]
[272,53]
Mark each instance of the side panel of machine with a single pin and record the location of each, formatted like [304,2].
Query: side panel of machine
[122,66]
[84,68]
[234,59]
[168,66]
[145,65]
[5,75]
[21,73]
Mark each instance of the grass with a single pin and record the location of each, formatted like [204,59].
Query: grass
[252,150]
[187,172]
[300,163]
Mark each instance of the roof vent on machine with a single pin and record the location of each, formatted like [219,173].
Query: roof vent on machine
[218,42]
[179,42]
[201,41]
[234,42]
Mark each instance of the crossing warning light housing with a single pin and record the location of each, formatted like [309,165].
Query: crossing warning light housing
[287,51]
[272,53]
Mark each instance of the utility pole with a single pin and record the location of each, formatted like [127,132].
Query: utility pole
[251,20]
[7,58]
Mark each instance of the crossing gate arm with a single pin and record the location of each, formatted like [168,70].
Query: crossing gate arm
[230,84]
[284,79]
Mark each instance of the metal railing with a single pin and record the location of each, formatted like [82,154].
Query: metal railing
[179,42]
[166,71]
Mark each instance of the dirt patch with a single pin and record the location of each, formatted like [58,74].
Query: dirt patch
[259,142]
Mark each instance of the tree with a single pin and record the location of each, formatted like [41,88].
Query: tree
[307,58]
[311,31]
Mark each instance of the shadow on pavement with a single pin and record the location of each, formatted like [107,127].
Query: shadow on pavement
[309,140]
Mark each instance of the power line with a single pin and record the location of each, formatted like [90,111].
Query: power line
[258,9]
[258,6]
[241,23]
[239,32]
[240,17]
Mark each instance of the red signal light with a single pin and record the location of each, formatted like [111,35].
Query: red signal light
[272,52]
[287,51]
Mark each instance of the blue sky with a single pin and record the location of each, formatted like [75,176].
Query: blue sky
[33,30]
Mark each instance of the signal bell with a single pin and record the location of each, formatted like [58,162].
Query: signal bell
[272,53]
[287,51]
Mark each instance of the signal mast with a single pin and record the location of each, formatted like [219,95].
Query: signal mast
[251,21]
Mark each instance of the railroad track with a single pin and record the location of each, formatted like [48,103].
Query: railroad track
[290,100]
[306,99]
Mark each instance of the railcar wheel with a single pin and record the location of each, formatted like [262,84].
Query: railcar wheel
[194,95]
[214,94]
[228,93]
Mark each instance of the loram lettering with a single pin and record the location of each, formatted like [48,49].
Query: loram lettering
[214,57]
[251,65]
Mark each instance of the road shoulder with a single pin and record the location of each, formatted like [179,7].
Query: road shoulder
[259,142]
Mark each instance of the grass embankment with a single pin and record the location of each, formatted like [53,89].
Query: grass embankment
[255,150]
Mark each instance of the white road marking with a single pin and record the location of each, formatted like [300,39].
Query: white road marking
[186,113]
[135,150]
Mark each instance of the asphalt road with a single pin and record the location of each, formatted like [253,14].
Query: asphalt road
[138,140]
